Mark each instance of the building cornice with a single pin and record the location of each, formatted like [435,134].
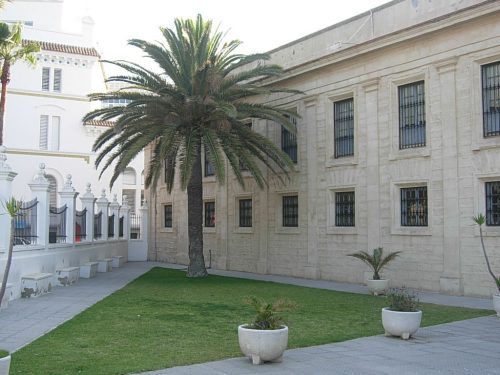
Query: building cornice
[59,154]
[65,48]
[50,95]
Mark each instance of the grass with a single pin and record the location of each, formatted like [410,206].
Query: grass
[163,319]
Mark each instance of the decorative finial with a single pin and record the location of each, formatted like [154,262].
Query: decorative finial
[115,198]
[68,183]
[103,193]
[39,177]
[88,190]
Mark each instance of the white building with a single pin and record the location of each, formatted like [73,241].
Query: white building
[398,146]
[45,105]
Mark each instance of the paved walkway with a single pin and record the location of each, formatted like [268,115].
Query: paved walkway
[468,347]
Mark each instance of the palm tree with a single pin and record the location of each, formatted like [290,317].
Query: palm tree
[12,207]
[12,49]
[200,100]
[376,261]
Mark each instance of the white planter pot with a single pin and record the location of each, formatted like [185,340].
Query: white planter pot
[496,303]
[5,365]
[263,345]
[401,323]
[377,287]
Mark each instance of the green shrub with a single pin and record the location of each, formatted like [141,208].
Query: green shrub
[401,299]
[3,353]
[267,313]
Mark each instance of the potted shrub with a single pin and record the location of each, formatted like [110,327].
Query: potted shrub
[376,261]
[4,362]
[480,220]
[267,337]
[402,317]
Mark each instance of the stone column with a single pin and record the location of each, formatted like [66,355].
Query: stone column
[88,203]
[144,221]
[40,190]
[68,197]
[7,175]
[102,206]
[450,281]
[114,209]
[125,210]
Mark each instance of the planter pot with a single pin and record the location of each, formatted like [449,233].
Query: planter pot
[263,345]
[5,365]
[401,323]
[496,303]
[377,287]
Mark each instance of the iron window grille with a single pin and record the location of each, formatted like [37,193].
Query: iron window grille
[245,212]
[25,230]
[135,227]
[492,203]
[209,168]
[120,226]
[291,211]
[491,99]
[209,214]
[414,207]
[97,226]
[344,209]
[57,227]
[111,225]
[167,216]
[411,115]
[289,141]
[81,225]
[344,127]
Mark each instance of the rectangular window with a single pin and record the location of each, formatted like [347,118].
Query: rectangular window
[414,207]
[209,169]
[344,209]
[291,211]
[167,216]
[57,80]
[45,79]
[209,214]
[245,212]
[492,203]
[491,99]
[344,127]
[55,134]
[289,142]
[44,130]
[411,115]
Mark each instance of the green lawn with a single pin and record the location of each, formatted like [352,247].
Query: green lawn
[163,319]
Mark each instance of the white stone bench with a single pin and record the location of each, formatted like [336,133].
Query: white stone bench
[7,296]
[118,261]
[36,284]
[67,276]
[88,270]
[105,265]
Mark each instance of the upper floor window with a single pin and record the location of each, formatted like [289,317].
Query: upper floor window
[414,207]
[491,99]
[49,130]
[56,80]
[289,142]
[209,168]
[291,211]
[45,79]
[167,216]
[492,203]
[129,176]
[245,212]
[411,115]
[344,209]
[209,214]
[343,112]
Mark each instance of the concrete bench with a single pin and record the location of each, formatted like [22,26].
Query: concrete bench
[118,261]
[7,296]
[36,284]
[67,276]
[88,270]
[105,265]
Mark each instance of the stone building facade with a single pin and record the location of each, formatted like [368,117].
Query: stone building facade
[398,146]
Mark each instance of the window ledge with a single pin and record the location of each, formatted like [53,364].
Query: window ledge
[209,179]
[411,153]
[166,230]
[209,230]
[244,230]
[342,230]
[411,231]
[487,144]
[333,162]
[288,230]
[488,232]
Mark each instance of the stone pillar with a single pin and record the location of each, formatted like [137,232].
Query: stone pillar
[88,203]
[102,206]
[144,221]
[114,209]
[40,190]
[450,281]
[7,175]
[125,210]
[68,197]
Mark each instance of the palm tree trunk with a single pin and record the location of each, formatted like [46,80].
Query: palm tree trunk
[4,78]
[9,261]
[195,220]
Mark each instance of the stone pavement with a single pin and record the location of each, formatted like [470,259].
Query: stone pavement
[468,347]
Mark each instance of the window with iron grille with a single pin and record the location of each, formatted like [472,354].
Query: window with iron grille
[411,115]
[343,112]
[291,211]
[167,215]
[45,79]
[414,207]
[491,99]
[492,203]
[289,142]
[209,214]
[344,209]
[209,168]
[57,80]
[245,212]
